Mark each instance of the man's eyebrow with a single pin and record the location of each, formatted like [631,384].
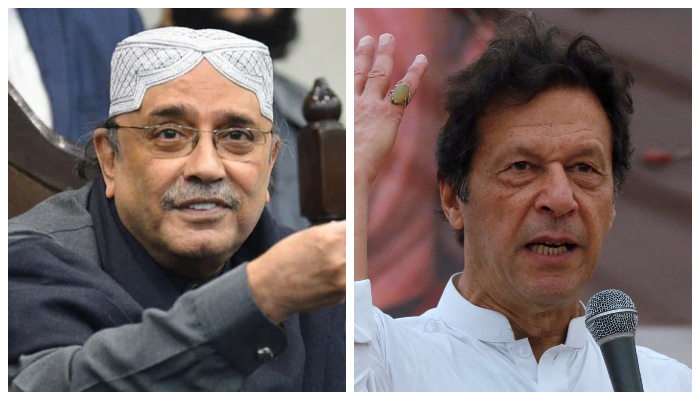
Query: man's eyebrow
[172,111]
[588,150]
[523,150]
[233,120]
[517,150]
[591,150]
[224,118]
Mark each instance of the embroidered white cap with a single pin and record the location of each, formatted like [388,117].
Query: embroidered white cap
[160,55]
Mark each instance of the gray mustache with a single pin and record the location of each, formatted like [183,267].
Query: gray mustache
[182,191]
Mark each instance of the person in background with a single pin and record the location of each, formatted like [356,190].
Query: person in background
[59,63]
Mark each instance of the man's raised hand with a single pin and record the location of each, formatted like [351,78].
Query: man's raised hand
[377,122]
[376,118]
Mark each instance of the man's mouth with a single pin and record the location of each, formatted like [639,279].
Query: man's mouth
[201,206]
[550,248]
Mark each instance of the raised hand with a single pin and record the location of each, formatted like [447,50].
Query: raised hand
[377,122]
[376,118]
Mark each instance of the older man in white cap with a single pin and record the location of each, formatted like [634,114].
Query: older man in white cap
[166,272]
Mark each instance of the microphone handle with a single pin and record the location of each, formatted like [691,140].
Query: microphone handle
[620,357]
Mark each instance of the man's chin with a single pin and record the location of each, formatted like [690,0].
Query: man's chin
[202,245]
[205,249]
[553,291]
[186,237]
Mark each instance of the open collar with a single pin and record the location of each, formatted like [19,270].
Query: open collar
[488,325]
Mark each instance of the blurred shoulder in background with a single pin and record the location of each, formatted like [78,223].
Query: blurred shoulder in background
[59,62]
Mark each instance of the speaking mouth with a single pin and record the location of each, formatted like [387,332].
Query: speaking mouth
[551,248]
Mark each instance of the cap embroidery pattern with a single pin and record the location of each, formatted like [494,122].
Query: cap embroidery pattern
[160,55]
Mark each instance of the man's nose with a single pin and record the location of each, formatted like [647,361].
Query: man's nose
[556,196]
[204,161]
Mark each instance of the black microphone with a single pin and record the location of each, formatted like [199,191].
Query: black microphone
[612,320]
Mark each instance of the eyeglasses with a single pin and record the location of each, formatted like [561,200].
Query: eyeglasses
[173,141]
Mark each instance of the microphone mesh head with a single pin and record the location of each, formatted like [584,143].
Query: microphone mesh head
[610,324]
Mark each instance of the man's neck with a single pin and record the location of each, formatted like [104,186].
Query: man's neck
[544,326]
[194,269]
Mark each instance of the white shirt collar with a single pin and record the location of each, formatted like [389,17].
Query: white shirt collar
[488,325]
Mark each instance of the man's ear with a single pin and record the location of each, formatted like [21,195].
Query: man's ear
[273,157]
[612,216]
[106,155]
[451,206]
[274,150]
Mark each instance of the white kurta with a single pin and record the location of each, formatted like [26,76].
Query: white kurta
[458,346]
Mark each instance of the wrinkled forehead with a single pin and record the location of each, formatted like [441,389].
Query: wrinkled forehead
[158,56]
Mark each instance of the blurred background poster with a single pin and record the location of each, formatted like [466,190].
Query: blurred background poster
[412,250]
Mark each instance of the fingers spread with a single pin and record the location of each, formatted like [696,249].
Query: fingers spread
[363,62]
[380,74]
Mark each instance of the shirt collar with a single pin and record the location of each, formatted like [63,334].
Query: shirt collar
[488,325]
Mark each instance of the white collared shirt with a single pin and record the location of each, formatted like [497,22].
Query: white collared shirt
[458,346]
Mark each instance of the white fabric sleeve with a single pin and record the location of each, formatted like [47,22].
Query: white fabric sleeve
[371,367]
[665,373]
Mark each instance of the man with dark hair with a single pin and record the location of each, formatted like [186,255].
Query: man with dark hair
[166,272]
[530,163]
[275,27]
